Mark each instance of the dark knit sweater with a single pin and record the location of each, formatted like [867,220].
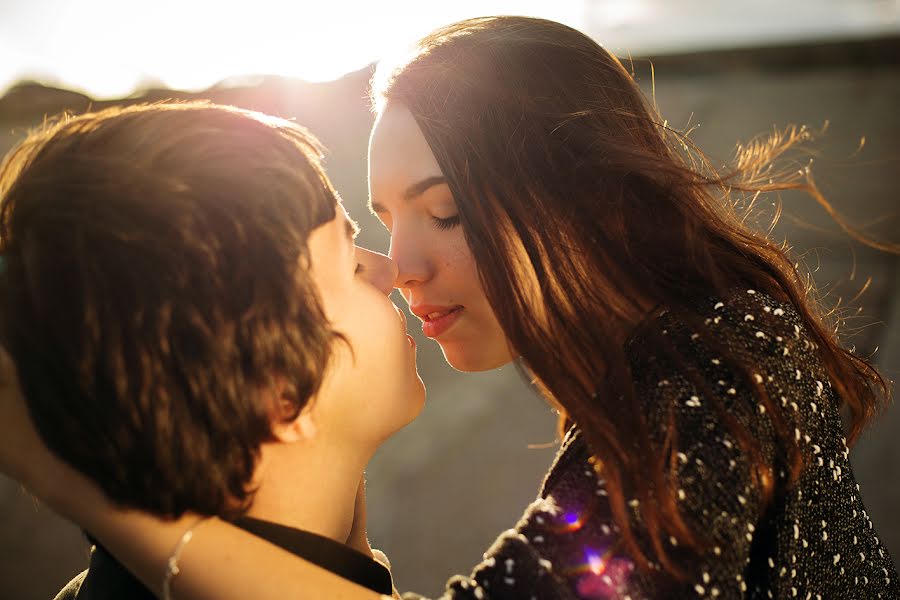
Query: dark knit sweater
[813,541]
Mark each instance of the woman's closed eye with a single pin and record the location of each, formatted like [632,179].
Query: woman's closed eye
[445,223]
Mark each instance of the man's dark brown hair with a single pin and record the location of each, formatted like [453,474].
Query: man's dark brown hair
[153,284]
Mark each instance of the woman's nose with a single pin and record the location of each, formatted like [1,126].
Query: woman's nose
[408,253]
[378,269]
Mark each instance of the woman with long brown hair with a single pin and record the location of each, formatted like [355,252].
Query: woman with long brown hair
[540,210]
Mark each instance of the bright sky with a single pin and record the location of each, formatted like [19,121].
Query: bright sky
[108,47]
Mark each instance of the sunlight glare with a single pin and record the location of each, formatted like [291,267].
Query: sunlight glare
[192,45]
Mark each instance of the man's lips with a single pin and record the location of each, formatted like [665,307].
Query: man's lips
[402,316]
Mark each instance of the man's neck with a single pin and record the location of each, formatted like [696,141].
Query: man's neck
[311,488]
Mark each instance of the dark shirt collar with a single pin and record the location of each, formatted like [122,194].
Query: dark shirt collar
[324,552]
[106,579]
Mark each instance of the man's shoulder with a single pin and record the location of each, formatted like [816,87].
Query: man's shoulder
[71,589]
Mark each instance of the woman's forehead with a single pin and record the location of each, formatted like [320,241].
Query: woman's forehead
[399,155]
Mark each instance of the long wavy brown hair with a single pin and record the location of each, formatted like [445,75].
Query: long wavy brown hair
[550,148]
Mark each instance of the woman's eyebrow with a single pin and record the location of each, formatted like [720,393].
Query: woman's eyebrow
[413,191]
[417,189]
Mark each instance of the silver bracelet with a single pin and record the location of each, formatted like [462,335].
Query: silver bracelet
[172,569]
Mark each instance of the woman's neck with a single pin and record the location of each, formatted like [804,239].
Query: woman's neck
[308,486]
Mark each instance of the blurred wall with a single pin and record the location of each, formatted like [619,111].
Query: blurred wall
[443,488]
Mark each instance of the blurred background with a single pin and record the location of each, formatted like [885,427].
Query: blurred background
[442,489]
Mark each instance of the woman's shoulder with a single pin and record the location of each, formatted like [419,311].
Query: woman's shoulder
[744,365]
[722,349]
[747,322]
[735,359]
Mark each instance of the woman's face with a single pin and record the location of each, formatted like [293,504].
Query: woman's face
[374,390]
[437,274]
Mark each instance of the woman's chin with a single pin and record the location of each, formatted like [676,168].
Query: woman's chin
[473,360]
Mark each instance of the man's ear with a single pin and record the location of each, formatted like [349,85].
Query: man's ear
[302,428]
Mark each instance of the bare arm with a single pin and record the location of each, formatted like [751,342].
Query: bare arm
[220,562]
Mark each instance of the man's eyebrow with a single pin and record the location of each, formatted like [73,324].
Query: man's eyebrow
[413,191]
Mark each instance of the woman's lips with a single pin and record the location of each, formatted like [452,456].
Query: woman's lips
[436,323]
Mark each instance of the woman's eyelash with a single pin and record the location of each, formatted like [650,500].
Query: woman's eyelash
[448,223]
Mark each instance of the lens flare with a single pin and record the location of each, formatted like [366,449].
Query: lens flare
[573,522]
[602,576]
